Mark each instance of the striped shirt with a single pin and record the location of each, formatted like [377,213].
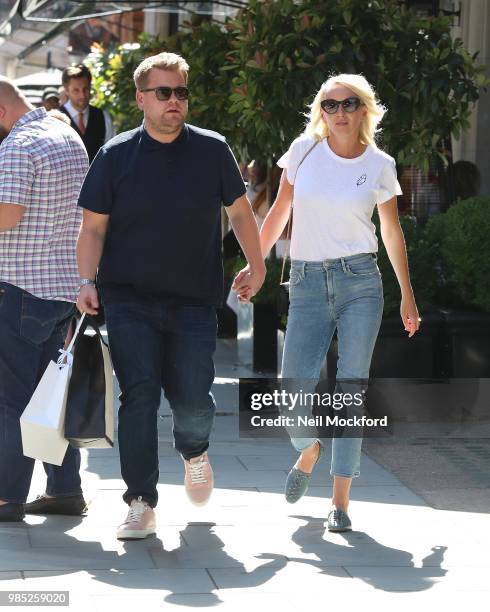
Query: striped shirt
[42,166]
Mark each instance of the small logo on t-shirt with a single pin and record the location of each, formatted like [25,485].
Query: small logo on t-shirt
[361,180]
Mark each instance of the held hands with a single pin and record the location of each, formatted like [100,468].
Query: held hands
[88,300]
[410,315]
[247,283]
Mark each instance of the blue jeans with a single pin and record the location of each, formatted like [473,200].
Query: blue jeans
[32,331]
[344,294]
[157,346]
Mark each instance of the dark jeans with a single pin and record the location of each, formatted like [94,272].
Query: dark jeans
[156,346]
[32,331]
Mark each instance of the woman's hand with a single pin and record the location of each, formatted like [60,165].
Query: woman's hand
[410,315]
[247,283]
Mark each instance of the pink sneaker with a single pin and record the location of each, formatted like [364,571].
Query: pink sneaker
[140,522]
[198,479]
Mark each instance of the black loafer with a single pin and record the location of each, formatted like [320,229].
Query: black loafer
[73,505]
[12,512]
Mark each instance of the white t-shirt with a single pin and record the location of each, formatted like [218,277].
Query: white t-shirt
[334,199]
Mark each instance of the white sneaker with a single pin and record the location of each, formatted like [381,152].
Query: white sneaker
[140,522]
[199,480]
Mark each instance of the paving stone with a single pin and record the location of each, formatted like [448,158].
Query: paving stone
[122,582]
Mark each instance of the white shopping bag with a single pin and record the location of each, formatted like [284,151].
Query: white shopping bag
[232,301]
[42,422]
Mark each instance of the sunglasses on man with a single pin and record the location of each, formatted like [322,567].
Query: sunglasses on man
[165,93]
[350,105]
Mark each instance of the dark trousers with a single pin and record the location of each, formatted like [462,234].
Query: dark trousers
[157,346]
[32,331]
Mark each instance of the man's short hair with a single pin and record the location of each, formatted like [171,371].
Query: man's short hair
[79,71]
[162,61]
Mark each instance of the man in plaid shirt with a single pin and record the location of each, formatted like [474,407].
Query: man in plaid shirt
[42,165]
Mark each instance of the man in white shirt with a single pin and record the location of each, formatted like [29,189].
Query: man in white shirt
[93,124]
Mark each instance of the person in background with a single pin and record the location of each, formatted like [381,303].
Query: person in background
[257,190]
[92,124]
[50,98]
[63,98]
[467,180]
[42,166]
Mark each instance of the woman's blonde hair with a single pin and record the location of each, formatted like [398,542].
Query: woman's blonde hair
[318,129]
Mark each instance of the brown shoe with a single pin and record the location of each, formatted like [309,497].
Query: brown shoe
[199,479]
[140,522]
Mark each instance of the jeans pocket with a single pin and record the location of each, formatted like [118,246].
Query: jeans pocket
[296,275]
[362,267]
[39,318]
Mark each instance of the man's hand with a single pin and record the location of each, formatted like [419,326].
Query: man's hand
[247,283]
[88,300]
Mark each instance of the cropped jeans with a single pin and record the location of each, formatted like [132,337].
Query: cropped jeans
[344,294]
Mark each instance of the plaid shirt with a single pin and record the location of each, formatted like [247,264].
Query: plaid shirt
[42,166]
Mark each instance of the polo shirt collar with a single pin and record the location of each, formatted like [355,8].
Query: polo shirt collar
[176,145]
[33,115]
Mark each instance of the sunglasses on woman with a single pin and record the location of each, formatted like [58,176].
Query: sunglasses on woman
[165,93]
[350,105]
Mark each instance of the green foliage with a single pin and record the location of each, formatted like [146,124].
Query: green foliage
[462,234]
[252,77]
[204,46]
[422,259]
[112,80]
[283,50]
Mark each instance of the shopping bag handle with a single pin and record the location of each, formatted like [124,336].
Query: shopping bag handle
[66,357]
[77,331]
[89,322]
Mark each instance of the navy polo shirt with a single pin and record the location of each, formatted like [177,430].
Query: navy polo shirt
[164,200]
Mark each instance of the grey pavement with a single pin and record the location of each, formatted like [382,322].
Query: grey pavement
[248,548]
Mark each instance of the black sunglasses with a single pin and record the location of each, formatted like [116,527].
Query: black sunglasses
[350,105]
[165,93]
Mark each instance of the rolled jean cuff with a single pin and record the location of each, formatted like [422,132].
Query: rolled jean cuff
[301,443]
[151,501]
[354,475]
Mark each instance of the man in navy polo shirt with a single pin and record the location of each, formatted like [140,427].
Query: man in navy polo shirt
[152,232]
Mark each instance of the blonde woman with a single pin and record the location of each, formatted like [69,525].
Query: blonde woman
[339,176]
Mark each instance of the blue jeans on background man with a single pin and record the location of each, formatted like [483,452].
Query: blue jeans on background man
[32,331]
[344,294]
[155,346]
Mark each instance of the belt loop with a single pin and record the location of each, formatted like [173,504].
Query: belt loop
[344,267]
